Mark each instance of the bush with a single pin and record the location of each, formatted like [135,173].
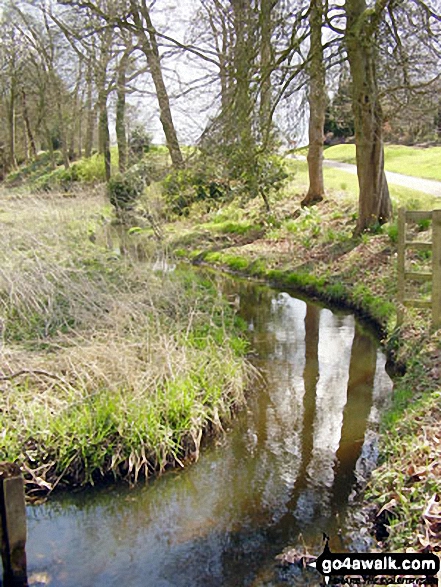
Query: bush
[271,173]
[58,179]
[140,143]
[125,188]
[182,188]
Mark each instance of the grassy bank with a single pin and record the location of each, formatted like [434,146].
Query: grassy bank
[313,251]
[108,367]
[415,161]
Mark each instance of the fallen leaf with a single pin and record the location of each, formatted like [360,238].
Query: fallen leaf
[389,506]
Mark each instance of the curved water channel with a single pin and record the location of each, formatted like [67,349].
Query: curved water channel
[279,477]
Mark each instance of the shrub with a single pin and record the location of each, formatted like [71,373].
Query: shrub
[392,232]
[140,143]
[184,187]
[125,188]
[271,173]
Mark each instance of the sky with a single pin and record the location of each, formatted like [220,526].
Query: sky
[192,111]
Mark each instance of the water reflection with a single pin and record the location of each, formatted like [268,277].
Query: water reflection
[285,469]
[335,340]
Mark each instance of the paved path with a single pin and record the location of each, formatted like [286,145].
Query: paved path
[428,186]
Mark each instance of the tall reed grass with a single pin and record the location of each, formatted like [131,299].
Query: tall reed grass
[107,367]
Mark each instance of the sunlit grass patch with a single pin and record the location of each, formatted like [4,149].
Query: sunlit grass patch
[414,161]
[230,227]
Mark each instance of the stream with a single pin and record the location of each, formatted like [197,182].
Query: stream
[281,475]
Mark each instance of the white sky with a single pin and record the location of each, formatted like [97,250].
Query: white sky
[191,112]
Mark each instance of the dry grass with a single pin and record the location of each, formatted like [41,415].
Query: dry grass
[107,366]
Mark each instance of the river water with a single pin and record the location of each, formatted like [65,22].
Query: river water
[281,476]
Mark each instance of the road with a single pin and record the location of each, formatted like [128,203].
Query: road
[428,186]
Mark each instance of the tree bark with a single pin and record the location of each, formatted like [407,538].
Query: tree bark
[76,114]
[12,161]
[317,106]
[149,46]
[266,30]
[374,200]
[218,18]
[224,74]
[55,81]
[27,122]
[242,107]
[90,113]
[103,89]
[120,124]
[103,131]
[241,129]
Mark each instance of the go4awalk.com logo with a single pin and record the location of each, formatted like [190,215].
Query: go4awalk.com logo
[377,568]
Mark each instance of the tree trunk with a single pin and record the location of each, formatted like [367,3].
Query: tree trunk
[12,161]
[76,114]
[266,29]
[317,106]
[42,120]
[103,90]
[149,46]
[50,146]
[30,136]
[224,75]
[90,114]
[120,125]
[374,200]
[103,132]
[438,122]
[60,118]
[241,123]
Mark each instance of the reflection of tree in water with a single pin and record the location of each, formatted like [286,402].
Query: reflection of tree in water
[361,380]
[336,335]
[282,449]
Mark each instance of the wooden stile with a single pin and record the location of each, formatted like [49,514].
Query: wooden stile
[436,269]
[435,275]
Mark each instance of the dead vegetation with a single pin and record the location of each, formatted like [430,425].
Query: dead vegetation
[107,367]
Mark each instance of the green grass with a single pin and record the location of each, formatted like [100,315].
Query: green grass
[84,171]
[414,161]
[406,448]
[229,227]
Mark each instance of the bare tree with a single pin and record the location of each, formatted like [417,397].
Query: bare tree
[317,105]
[148,42]
[10,74]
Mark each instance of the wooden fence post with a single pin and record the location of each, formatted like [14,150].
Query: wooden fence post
[401,248]
[436,269]
[12,526]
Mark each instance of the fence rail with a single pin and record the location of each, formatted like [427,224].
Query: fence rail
[405,217]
